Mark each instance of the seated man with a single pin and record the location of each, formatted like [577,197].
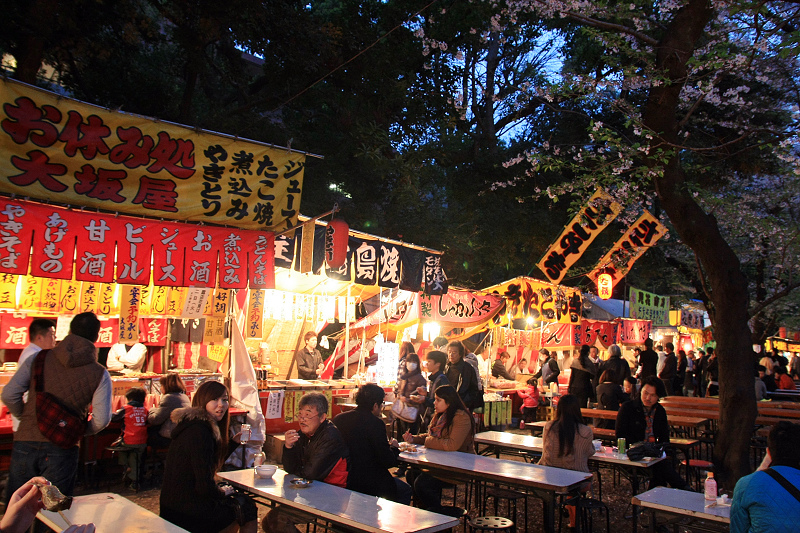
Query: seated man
[370,453]
[644,420]
[318,452]
[769,500]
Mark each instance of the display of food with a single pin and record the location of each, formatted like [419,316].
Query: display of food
[53,499]
[408,447]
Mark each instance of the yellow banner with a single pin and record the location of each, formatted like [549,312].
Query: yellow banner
[8,291]
[89,297]
[130,298]
[537,300]
[578,235]
[255,314]
[217,353]
[61,150]
[31,293]
[70,297]
[158,300]
[630,247]
[215,330]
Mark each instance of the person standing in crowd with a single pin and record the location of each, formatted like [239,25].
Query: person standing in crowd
[42,334]
[452,430]
[411,380]
[768,362]
[440,344]
[700,370]
[662,356]
[160,425]
[567,443]
[637,361]
[71,373]
[619,366]
[405,349]
[712,373]
[548,369]
[688,375]
[669,369]
[680,374]
[582,372]
[190,497]
[648,359]
[499,366]
[768,500]
[461,375]
[783,380]
[644,420]
[521,367]
[126,357]
[794,366]
[371,456]
[309,360]
[475,363]
[609,397]
[317,452]
[594,357]
[530,402]
[435,363]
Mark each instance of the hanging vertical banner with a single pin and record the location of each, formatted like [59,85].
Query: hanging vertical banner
[366,263]
[105,300]
[158,300]
[153,331]
[175,300]
[648,306]
[578,235]
[633,331]
[389,272]
[129,313]
[61,150]
[8,291]
[255,314]
[70,297]
[89,297]
[630,247]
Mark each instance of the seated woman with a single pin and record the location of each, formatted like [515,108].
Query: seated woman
[189,496]
[567,442]
[452,429]
[173,396]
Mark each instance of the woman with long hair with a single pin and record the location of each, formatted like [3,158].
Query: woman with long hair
[567,442]
[408,384]
[189,496]
[159,425]
[451,429]
[582,372]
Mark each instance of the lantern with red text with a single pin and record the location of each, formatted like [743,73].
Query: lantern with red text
[336,235]
[605,285]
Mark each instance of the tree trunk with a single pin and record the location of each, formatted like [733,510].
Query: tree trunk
[727,283]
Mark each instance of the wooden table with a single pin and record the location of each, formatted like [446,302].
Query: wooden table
[542,481]
[694,422]
[340,506]
[682,504]
[109,513]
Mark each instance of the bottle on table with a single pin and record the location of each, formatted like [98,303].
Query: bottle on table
[710,487]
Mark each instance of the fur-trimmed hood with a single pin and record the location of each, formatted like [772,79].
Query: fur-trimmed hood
[186,415]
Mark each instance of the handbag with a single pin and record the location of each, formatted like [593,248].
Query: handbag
[646,449]
[59,423]
[405,411]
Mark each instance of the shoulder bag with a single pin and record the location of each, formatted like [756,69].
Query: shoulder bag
[60,424]
[791,489]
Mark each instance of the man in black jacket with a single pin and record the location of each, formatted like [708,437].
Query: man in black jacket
[370,453]
[644,420]
[548,369]
[462,376]
[316,452]
[648,359]
[670,370]
[617,364]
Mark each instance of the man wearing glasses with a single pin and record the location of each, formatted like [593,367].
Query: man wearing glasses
[317,452]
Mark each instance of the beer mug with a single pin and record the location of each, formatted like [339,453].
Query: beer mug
[259,458]
[244,438]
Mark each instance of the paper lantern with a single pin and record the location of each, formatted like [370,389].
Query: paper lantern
[336,235]
[605,285]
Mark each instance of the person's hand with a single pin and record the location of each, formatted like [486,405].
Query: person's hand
[394,444]
[22,507]
[80,528]
[422,391]
[227,490]
[292,436]
[408,437]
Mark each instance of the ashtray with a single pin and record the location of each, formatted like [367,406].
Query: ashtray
[300,483]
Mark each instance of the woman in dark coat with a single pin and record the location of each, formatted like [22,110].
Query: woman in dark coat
[609,397]
[409,382]
[189,496]
[159,424]
[582,372]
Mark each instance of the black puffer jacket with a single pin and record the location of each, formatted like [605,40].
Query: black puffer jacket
[189,496]
[315,457]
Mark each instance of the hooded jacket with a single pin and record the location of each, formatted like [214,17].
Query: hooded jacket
[73,375]
[189,496]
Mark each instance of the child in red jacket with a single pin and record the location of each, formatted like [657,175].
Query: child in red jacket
[133,440]
[530,401]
